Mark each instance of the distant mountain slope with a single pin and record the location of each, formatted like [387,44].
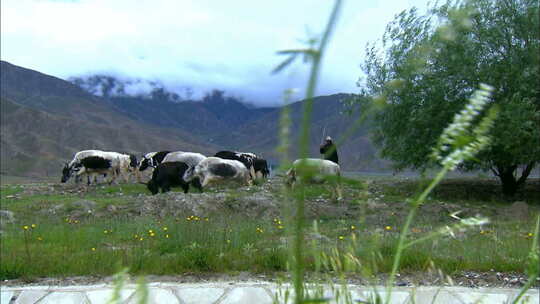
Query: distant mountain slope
[215,114]
[330,117]
[44,120]
[233,125]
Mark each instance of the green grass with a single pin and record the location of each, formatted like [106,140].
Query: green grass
[61,244]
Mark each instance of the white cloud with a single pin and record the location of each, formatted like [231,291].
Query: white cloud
[205,44]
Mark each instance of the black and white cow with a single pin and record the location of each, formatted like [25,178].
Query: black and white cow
[152,159]
[170,174]
[189,158]
[128,167]
[92,162]
[215,169]
[245,158]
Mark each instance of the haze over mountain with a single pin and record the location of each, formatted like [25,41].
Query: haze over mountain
[46,119]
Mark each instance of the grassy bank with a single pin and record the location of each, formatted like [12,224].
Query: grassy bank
[54,236]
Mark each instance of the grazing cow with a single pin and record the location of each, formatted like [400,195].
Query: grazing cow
[328,150]
[90,166]
[128,167]
[214,169]
[189,158]
[152,159]
[245,158]
[315,170]
[261,166]
[170,174]
[76,165]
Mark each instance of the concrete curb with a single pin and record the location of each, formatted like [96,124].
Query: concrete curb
[256,292]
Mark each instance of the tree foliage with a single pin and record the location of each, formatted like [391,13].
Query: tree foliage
[426,66]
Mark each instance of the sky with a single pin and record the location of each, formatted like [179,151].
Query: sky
[203,44]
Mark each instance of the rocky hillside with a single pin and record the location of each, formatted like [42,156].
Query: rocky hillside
[44,120]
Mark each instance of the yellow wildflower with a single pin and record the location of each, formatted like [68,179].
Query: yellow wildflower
[140,239]
[105,231]
[25,227]
[39,238]
[166,236]
[280,227]
[388,228]
[34,225]
[341,237]
[353,227]
[152,234]
[93,248]
[165,228]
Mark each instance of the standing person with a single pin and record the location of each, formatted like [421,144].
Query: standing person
[328,150]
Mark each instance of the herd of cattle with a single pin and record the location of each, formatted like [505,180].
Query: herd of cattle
[184,169]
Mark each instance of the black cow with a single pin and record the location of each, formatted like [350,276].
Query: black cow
[152,159]
[170,174]
[260,165]
[90,165]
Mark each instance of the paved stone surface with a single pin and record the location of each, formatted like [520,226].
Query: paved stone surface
[157,296]
[105,294]
[254,292]
[30,296]
[247,295]
[200,295]
[65,298]
[5,297]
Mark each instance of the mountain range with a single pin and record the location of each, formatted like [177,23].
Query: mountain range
[45,120]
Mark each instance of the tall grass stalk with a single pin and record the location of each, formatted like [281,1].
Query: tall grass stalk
[534,263]
[315,55]
[455,145]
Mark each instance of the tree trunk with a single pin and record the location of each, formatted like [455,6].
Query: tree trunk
[506,174]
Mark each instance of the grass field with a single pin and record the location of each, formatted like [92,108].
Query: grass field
[54,234]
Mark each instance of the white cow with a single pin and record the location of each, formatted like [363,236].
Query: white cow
[215,169]
[315,170]
[191,159]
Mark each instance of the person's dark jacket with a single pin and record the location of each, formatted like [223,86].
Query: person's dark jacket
[329,150]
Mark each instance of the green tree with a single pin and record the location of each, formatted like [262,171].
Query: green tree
[426,66]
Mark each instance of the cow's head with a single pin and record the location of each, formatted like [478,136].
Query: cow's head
[196,182]
[66,173]
[152,186]
[189,175]
[145,163]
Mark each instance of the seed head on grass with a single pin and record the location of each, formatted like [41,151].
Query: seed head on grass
[458,142]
